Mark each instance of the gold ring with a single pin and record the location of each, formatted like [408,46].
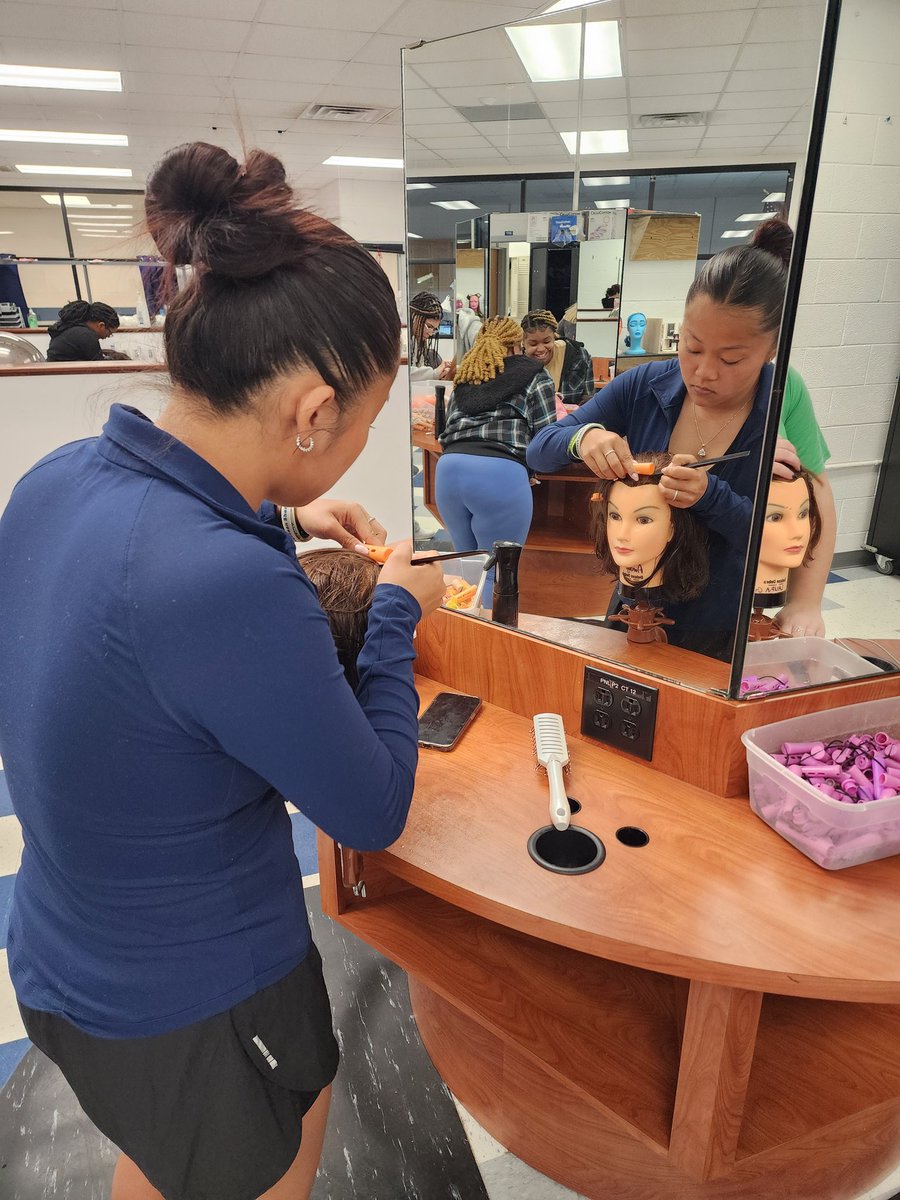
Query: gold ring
[609,452]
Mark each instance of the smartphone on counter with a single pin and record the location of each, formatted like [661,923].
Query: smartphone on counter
[443,722]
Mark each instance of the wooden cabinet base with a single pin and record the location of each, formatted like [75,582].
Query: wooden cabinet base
[548,1125]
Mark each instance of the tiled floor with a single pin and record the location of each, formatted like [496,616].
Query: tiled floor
[862,603]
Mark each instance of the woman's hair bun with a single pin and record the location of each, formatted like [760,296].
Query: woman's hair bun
[776,237]
[204,209]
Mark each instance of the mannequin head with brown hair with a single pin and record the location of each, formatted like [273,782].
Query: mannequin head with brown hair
[642,540]
[791,531]
[345,582]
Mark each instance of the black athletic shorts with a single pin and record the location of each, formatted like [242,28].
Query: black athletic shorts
[212,1111]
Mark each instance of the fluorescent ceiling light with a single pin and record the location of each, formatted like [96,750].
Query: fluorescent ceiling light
[753,217]
[352,160]
[612,204]
[552,53]
[69,139]
[453,204]
[425,278]
[95,228]
[418,236]
[6,232]
[417,187]
[84,216]
[60,77]
[73,200]
[735,233]
[565,5]
[36,169]
[774,197]
[110,233]
[599,141]
[607,181]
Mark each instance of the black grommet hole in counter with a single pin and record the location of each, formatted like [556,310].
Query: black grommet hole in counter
[630,835]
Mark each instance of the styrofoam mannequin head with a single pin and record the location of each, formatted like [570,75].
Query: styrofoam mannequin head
[639,527]
[787,532]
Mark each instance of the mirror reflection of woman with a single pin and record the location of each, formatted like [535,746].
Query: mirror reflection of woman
[500,401]
[712,401]
[567,362]
[425,362]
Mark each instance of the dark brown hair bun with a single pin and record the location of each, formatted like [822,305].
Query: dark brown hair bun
[776,237]
[204,209]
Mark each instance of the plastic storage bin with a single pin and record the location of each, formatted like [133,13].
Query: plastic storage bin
[832,834]
[806,661]
[468,569]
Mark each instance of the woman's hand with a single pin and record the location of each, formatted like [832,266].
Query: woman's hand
[341,521]
[786,463]
[608,455]
[424,583]
[447,369]
[681,485]
[799,620]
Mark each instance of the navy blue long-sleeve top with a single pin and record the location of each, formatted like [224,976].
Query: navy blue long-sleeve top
[643,405]
[168,680]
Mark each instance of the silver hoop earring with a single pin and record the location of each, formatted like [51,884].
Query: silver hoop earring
[300,445]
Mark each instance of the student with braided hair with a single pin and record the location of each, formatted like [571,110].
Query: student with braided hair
[500,401]
[77,334]
[568,363]
[425,316]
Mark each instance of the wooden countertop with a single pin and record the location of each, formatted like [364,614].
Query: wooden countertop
[102,367]
[716,895]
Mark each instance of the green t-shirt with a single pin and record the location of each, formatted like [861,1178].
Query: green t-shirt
[799,425]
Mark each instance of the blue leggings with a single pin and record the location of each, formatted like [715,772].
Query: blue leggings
[482,500]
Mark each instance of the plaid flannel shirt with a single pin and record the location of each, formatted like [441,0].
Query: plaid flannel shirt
[512,424]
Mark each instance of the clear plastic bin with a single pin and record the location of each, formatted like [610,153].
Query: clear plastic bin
[806,661]
[468,569]
[831,833]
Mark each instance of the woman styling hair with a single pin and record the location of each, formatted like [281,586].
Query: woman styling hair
[159,944]
[345,584]
[425,316]
[500,401]
[81,327]
[711,401]
[567,362]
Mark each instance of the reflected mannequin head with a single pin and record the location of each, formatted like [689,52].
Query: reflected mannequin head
[791,531]
[498,338]
[345,582]
[645,542]
[731,318]
[474,299]
[637,325]
[539,328]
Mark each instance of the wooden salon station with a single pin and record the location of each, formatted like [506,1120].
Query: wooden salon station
[709,1015]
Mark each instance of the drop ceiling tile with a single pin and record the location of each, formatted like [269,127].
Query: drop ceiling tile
[208,10]
[335,44]
[488,75]
[298,92]
[499,129]
[143,29]
[684,103]
[768,56]
[151,84]
[605,89]
[382,49]
[75,25]
[764,131]
[464,142]
[611,121]
[676,85]
[758,144]
[686,62]
[788,23]
[107,4]
[565,111]
[753,81]
[436,19]
[46,52]
[371,76]
[751,116]
[753,101]
[688,30]
[332,93]
[663,8]
[555,91]
[172,61]
[524,140]
[418,118]
[518,94]
[359,15]
[282,68]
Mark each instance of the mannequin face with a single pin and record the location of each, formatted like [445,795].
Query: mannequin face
[637,324]
[474,301]
[539,344]
[786,533]
[638,529]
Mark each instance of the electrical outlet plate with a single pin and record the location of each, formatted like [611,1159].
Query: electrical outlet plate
[619,712]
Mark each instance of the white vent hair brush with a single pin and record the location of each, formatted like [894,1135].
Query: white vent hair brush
[553,754]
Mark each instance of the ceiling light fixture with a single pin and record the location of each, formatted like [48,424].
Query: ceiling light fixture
[598,141]
[773,197]
[735,233]
[67,139]
[418,187]
[607,181]
[612,204]
[352,160]
[37,169]
[565,5]
[552,53]
[6,232]
[454,204]
[60,77]
[417,236]
[753,217]
[74,200]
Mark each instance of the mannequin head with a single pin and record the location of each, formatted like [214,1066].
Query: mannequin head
[790,532]
[634,529]
[345,582]
[474,299]
[637,325]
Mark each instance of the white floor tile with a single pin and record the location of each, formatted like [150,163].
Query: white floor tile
[484,1147]
[11,1027]
[10,845]
[508,1178]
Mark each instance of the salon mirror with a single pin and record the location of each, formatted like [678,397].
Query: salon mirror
[694,124]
